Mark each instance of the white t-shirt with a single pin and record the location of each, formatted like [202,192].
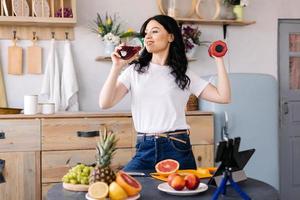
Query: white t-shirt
[158,104]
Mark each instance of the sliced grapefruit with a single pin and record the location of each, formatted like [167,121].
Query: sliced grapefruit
[167,167]
[128,183]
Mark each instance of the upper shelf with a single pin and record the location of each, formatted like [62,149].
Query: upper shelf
[40,21]
[215,22]
[26,18]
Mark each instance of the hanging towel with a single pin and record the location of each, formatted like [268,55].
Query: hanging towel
[51,82]
[69,84]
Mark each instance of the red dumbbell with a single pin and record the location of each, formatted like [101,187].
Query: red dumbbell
[217,49]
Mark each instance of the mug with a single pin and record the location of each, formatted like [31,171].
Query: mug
[30,104]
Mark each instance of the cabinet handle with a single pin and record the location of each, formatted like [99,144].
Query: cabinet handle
[285,108]
[2,163]
[87,133]
[2,135]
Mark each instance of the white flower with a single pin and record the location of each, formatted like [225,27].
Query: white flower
[109,37]
[244,3]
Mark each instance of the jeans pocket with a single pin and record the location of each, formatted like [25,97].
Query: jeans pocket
[180,146]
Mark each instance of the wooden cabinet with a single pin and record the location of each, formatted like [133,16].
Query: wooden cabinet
[20,149]
[40,149]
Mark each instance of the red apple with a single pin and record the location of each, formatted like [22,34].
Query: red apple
[191,181]
[170,178]
[177,182]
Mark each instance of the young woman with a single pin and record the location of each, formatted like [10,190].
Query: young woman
[160,84]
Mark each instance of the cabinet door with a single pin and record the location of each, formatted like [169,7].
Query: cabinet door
[20,135]
[201,129]
[22,176]
[55,164]
[61,134]
[204,155]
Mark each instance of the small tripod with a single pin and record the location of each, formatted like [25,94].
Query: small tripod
[222,188]
[232,160]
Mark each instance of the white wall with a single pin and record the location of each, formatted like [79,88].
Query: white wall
[253,48]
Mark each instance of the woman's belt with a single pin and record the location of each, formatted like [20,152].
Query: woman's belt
[168,134]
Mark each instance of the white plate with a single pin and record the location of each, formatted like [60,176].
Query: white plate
[185,192]
[38,6]
[19,9]
[129,198]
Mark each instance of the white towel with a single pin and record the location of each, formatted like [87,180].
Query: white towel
[69,84]
[51,81]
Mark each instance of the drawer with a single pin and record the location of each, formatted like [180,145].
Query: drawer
[55,164]
[204,155]
[61,134]
[20,135]
[201,129]
[22,176]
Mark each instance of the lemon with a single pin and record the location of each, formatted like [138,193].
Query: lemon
[116,192]
[98,190]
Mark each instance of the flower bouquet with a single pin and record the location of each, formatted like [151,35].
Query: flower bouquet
[191,39]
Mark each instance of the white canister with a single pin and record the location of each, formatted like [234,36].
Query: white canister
[39,108]
[30,104]
[48,108]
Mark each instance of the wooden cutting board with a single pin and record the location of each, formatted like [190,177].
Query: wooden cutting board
[15,59]
[3,101]
[78,187]
[34,59]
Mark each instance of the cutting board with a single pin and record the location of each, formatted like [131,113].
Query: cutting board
[15,59]
[34,59]
[77,187]
[3,101]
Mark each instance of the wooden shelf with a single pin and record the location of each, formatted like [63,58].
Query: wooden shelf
[103,58]
[215,22]
[39,20]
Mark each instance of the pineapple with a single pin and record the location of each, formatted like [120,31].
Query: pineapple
[106,148]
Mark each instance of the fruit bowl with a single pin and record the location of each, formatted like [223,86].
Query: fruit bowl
[164,187]
[76,187]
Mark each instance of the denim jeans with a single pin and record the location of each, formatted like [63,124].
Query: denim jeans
[150,150]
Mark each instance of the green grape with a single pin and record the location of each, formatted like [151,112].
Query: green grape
[73,175]
[84,174]
[73,181]
[86,170]
[66,180]
[82,182]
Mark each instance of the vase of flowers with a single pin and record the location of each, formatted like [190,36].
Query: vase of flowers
[110,30]
[191,39]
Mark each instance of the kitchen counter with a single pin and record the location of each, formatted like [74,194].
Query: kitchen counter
[87,115]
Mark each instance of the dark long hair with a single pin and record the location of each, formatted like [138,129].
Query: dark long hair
[176,58]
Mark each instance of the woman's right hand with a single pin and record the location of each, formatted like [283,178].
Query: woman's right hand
[118,62]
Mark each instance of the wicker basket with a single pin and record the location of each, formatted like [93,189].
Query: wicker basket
[192,103]
[10,110]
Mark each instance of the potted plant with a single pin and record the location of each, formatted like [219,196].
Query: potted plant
[110,30]
[237,7]
[191,39]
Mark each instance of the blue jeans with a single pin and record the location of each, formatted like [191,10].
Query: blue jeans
[150,150]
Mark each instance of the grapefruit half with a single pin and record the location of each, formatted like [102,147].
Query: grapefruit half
[167,167]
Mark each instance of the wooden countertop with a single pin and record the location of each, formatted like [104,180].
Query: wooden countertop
[87,115]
